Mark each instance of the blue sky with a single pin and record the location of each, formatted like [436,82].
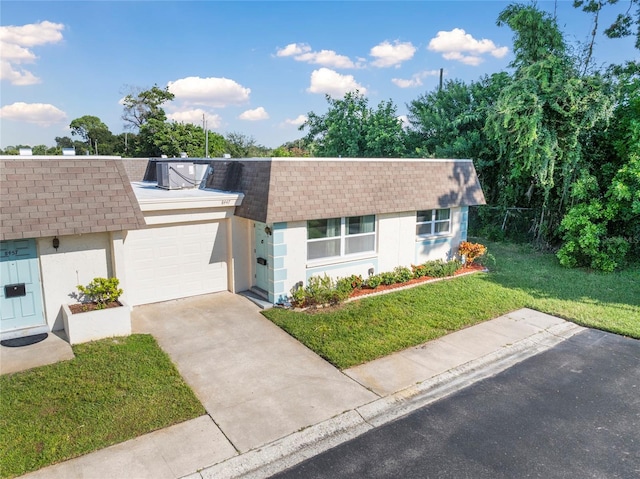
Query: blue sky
[255,68]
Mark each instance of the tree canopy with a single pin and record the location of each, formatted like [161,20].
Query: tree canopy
[350,128]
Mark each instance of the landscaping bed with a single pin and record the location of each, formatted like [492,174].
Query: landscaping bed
[383,288]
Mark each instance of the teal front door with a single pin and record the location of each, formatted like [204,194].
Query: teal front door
[20,291]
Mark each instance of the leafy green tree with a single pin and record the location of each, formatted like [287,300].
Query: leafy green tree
[602,227]
[351,129]
[239,145]
[539,116]
[172,138]
[95,133]
[140,106]
[12,150]
[449,123]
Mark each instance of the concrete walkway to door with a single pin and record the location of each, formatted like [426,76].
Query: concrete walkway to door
[255,381]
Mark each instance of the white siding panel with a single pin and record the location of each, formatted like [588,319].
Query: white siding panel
[176,261]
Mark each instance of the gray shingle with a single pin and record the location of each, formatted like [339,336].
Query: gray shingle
[57,197]
[279,190]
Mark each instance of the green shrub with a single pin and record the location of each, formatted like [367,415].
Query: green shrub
[388,278]
[355,280]
[437,268]
[320,290]
[298,295]
[434,269]
[450,267]
[374,281]
[100,291]
[585,238]
[419,271]
[345,286]
[402,274]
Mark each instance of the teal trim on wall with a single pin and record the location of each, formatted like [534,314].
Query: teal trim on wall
[278,288]
[278,237]
[464,222]
[279,250]
[279,275]
[278,263]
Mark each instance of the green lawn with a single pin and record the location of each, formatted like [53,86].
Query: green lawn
[372,327]
[114,390]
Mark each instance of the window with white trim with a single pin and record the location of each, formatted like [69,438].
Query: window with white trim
[337,237]
[433,222]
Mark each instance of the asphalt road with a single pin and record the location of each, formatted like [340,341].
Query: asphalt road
[570,412]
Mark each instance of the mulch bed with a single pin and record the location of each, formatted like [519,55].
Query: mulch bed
[357,293]
[84,307]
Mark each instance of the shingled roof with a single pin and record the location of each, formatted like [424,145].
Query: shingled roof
[294,189]
[56,197]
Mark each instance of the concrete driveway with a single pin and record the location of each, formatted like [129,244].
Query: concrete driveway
[255,381]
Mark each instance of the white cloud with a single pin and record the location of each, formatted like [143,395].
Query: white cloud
[42,114]
[195,117]
[16,43]
[466,59]
[293,49]
[329,82]
[302,52]
[461,46]
[213,92]
[388,55]
[299,120]
[404,120]
[410,83]
[256,114]
[415,80]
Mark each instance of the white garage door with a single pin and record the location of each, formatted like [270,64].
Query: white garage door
[173,262]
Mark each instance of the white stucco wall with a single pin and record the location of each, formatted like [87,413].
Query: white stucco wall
[396,237]
[78,260]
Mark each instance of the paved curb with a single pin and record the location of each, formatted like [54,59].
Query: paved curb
[301,445]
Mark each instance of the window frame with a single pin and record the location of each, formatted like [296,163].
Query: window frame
[433,222]
[342,238]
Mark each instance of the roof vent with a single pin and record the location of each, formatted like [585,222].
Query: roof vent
[26,152]
[68,152]
[226,155]
[183,154]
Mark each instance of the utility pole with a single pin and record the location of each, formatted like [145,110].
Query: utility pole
[206,137]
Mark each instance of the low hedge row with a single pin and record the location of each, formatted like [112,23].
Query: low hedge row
[322,290]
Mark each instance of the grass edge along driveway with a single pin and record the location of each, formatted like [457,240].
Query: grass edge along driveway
[114,390]
[373,327]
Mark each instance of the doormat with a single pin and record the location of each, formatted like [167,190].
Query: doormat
[26,341]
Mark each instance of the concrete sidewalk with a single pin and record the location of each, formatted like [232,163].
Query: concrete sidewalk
[272,403]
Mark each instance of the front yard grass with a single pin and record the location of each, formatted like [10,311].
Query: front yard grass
[114,390]
[372,327]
